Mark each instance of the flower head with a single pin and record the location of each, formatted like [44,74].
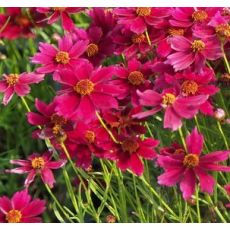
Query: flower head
[21,208]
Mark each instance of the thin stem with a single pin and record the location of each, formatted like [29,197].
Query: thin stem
[197,204]
[182,138]
[5,25]
[57,202]
[222,134]
[25,104]
[106,128]
[225,58]
[148,39]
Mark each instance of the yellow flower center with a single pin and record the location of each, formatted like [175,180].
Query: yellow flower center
[189,87]
[176,32]
[168,99]
[130,146]
[38,163]
[136,78]
[59,8]
[90,136]
[223,30]
[62,57]
[84,87]
[199,16]
[138,38]
[12,79]
[56,119]
[191,160]
[14,216]
[92,50]
[197,45]
[143,11]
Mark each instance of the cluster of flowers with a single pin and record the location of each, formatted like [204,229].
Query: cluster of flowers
[100,109]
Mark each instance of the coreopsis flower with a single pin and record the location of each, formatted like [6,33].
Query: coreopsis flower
[86,90]
[186,166]
[21,208]
[189,16]
[132,78]
[193,51]
[129,152]
[63,13]
[87,140]
[19,22]
[175,106]
[66,55]
[37,164]
[18,84]
[227,188]
[52,125]
[122,121]
[99,45]
[137,19]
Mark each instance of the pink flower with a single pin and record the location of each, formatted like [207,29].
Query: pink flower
[52,125]
[184,168]
[176,106]
[37,165]
[137,19]
[129,152]
[21,209]
[19,84]
[54,13]
[194,51]
[65,56]
[86,90]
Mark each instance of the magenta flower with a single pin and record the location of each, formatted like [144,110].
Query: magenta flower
[19,84]
[184,168]
[86,90]
[176,106]
[65,56]
[195,51]
[137,19]
[37,165]
[129,152]
[227,188]
[62,13]
[21,208]
[52,125]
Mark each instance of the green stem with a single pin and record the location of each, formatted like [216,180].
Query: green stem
[182,138]
[197,204]
[25,104]
[225,58]
[148,39]
[222,134]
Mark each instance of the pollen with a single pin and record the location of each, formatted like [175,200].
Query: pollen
[136,78]
[62,57]
[90,136]
[223,30]
[168,99]
[189,87]
[138,38]
[56,119]
[12,79]
[130,146]
[14,216]
[175,32]
[84,87]
[143,11]
[199,16]
[56,129]
[197,45]
[59,8]
[92,50]
[191,160]
[38,163]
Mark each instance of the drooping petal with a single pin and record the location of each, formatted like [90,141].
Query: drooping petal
[171,119]
[47,177]
[22,90]
[9,93]
[136,165]
[55,164]
[30,178]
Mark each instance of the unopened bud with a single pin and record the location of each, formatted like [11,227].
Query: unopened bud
[219,114]
[110,219]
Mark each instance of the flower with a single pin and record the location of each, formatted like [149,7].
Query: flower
[193,51]
[137,19]
[37,165]
[18,83]
[21,208]
[54,13]
[52,125]
[176,106]
[65,56]
[185,167]
[129,152]
[86,90]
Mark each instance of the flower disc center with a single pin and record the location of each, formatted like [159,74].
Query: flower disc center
[189,87]
[143,11]
[84,87]
[191,160]
[168,99]
[92,50]
[136,78]
[62,57]
[38,163]
[14,216]
[12,79]
[130,146]
[197,45]
[199,16]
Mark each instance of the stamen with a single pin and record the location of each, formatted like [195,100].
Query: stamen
[12,79]
[38,163]
[84,87]
[191,160]
[14,216]
[136,78]
[92,50]
[189,87]
[62,57]
[197,45]
[143,11]
[199,16]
